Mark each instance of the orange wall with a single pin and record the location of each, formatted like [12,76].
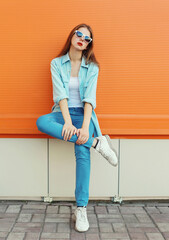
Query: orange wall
[131,44]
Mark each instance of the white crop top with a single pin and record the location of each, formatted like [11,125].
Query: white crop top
[74,94]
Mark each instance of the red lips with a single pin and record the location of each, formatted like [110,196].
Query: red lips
[80,44]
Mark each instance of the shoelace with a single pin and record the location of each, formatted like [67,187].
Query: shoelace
[81,212]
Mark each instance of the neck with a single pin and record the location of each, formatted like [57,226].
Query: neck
[75,55]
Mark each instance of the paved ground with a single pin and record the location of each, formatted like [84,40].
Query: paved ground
[30,220]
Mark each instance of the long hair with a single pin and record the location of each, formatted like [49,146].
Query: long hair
[87,53]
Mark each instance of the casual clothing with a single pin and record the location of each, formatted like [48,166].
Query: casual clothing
[77,90]
[88,75]
[74,93]
[52,125]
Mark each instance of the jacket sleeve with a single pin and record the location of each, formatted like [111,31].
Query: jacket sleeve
[90,91]
[59,91]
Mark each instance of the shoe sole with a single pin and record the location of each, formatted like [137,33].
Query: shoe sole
[111,146]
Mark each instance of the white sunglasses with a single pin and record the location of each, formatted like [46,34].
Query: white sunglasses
[80,34]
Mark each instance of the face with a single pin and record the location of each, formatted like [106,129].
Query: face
[75,40]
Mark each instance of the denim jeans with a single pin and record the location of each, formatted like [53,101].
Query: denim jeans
[52,125]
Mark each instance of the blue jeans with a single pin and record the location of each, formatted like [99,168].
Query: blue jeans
[52,125]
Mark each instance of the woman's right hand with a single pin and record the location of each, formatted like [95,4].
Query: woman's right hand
[68,130]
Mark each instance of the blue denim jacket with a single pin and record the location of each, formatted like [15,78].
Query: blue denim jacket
[88,75]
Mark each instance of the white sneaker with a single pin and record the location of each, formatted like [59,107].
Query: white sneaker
[80,216]
[105,147]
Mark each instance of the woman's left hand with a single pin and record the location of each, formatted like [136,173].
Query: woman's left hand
[83,135]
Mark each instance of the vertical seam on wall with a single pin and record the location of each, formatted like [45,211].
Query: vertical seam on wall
[48,166]
[119,168]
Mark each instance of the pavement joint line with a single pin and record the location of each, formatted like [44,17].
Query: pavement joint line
[154,222]
[124,223]
[58,212]
[42,227]
[71,221]
[111,223]
[97,221]
[14,221]
[136,216]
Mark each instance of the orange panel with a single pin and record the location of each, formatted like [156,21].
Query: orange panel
[131,44]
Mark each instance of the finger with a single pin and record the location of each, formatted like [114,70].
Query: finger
[80,139]
[63,131]
[65,135]
[78,142]
[71,133]
[83,140]
[78,133]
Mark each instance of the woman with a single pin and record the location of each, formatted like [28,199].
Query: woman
[74,75]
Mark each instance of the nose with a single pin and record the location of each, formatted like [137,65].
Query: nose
[82,37]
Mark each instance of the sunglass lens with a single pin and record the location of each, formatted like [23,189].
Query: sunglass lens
[87,39]
[79,34]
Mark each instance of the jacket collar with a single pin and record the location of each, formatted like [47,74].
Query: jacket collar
[66,58]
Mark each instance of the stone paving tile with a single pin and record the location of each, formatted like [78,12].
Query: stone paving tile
[9,217]
[55,235]
[152,209]
[32,236]
[90,209]
[163,209]
[115,235]
[100,209]
[50,227]
[140,236]
[33,220]
[155,236]
[119,227]
[54,203]
[63,227]
[130,218]
[14,236]
[6,226]
[32,211]
[13,209]
[143,229]
[27,227]
[105,227]
[130,210]
[24,217]
[3,208]
[166,234]
[3,234]
[77,236]
[92,236]
[38,218]
[142,217]
[160,218]
[113,209]
[64,209]
[34,206]
[164,227]
[52,209]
